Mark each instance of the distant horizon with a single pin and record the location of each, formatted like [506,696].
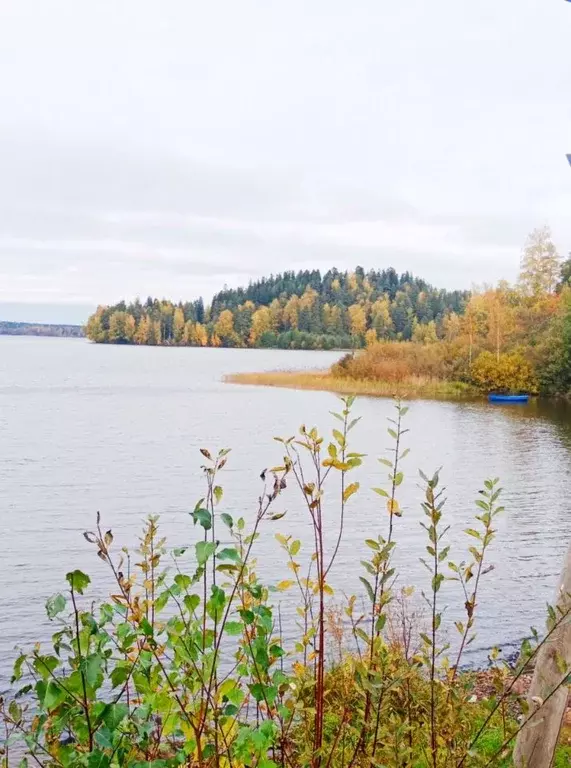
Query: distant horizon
[44,313]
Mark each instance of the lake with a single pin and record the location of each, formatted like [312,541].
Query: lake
[87,428]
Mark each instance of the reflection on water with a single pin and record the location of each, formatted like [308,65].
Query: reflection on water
[86,428]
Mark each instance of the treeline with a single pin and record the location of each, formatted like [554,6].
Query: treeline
[509,338]
[39,329]
[302,310]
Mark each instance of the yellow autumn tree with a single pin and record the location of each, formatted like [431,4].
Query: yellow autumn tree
[156,335]
[381,319]
[200,335]
[224,328]
[261,322]
[276,313]
[142,331]
[178,325]
[94,329]
[370,337]
[474,322]
[424,333]
[358,321]
[188,334]
[540,264]
[452,326]
[121,328]
[290,314]
[500,313]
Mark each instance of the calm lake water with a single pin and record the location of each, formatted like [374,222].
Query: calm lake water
[118,429]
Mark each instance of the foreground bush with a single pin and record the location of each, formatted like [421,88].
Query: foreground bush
[186,663]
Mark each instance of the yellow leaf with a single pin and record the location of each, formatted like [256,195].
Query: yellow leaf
[285,584]
[350,490]
[393,507]
[328,590]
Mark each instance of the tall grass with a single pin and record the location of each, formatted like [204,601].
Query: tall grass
[412,386]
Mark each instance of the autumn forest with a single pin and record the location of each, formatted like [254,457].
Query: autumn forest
[508,337]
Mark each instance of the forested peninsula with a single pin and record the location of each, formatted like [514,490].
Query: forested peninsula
[508,337]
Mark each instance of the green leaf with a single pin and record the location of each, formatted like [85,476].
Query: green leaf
[381,492]
[45,665]
[147,627]
[92,667]
[114,714]
[339,437]
[18,664]
[372,544]
[295,547]
[119,675]
[233,627]
[203,517]
[229,553]
[53,696]
[191,602]
[472,532]
[178,551]
[203,551]
[78,581]
[398,478]
[98,759]
[258,691]
[55,604]
[227,519]
[218,493]
[162,600]
[215,606]
[368,587]
[248,616]
[381,621]
[228,568]
[183,581]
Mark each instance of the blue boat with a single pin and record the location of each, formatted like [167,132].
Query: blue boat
[508,398]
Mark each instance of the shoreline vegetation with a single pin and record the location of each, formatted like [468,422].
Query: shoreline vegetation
[412,387]
[405,335]
[188,662]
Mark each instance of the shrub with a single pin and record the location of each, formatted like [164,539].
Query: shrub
[399,361]
[506,373]
[187,663]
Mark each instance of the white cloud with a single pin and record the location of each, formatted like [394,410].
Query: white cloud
[172,148]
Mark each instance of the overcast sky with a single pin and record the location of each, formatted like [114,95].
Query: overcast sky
[168,147]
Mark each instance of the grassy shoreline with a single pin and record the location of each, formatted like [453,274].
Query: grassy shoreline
[414,386]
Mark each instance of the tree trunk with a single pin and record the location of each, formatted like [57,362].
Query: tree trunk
[536,743]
